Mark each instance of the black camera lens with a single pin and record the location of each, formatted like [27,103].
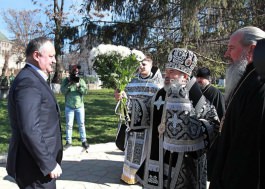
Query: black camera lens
[75,78]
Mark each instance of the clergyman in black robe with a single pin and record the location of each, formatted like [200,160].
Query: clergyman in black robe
[240,159]
[216,98]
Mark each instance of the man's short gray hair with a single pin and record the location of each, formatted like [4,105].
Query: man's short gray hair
[35,45]
[250,35]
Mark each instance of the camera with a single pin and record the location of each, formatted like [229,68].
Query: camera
[74,73]
[74,78]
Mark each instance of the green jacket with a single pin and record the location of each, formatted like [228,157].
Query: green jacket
[74,93]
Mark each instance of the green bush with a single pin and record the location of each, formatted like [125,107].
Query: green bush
[222,89]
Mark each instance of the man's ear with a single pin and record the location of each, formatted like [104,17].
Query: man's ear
[36,55]
[250,53]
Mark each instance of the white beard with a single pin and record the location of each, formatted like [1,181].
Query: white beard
[234,73]
[175,82]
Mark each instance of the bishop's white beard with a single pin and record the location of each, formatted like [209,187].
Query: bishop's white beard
[233,74]
[175,82]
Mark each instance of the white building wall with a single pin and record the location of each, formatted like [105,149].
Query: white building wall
[6,47]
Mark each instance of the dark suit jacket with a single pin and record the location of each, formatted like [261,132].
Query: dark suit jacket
[36,142]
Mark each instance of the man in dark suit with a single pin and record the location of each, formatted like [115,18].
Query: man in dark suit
[35,150]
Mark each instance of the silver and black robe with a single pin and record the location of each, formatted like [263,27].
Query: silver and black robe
[140,92]
[183,125]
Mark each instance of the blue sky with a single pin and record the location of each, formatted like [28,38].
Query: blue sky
[13,4]
[22,5]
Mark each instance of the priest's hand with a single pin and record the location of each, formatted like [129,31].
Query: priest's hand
[119,95]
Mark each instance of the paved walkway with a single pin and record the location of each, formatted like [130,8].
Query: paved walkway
[99,168]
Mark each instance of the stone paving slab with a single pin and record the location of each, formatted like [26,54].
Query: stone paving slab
[98,168]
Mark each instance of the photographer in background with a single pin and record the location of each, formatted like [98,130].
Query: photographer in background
[73,88]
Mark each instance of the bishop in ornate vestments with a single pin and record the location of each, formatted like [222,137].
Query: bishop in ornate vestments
[183,124]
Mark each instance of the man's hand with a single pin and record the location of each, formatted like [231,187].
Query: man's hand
[56,172]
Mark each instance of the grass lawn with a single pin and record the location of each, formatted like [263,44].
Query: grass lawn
[101,122]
